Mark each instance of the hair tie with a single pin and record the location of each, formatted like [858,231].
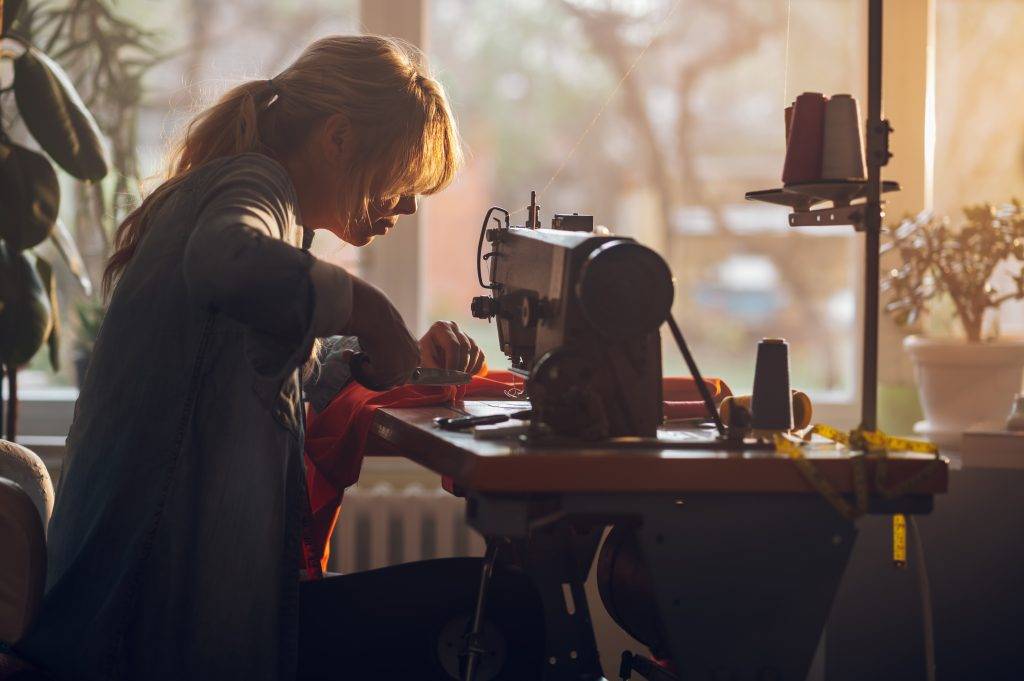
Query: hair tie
[274,92]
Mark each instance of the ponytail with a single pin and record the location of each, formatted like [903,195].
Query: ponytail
[228,128]
[403,135]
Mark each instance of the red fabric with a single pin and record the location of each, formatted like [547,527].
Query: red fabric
[335,442]
[336,439]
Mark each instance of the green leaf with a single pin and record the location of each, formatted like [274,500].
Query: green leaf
[29,197]
[55,115]
[12,10]
[90,318]
[68,249]
[26,320]
[45,271]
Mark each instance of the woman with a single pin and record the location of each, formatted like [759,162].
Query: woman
[174,545]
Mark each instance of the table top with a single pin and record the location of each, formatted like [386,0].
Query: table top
[510,466]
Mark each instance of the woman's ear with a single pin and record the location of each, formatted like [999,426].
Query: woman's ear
[334,138]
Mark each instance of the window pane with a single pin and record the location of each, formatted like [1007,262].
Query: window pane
[979,114]
[697,124]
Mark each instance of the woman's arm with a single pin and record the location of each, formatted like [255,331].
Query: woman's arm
[237,262]
[443,346]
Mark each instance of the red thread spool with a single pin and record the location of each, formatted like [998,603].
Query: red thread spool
[806,134]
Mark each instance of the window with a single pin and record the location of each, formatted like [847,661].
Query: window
[698,123]
[979,146]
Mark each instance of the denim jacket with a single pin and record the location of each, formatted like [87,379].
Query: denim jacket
[175,540]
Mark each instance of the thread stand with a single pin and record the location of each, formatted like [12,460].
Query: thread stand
[866,217]
[804,196]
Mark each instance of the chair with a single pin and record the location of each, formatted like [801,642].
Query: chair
[26,501]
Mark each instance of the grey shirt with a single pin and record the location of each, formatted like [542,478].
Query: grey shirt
[331,372]
[175,541]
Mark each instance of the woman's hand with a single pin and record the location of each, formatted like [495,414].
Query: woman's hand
[383,336]
[444,346]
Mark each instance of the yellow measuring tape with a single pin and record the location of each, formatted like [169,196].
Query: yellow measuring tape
[871,440]
[861,444]
[793,450]
[899,540]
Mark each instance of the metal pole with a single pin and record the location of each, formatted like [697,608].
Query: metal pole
[702,388]
[878,155]
[474,644]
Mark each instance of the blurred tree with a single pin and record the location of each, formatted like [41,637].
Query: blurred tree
[697,123]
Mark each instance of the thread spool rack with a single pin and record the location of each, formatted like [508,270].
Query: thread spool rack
[805,198]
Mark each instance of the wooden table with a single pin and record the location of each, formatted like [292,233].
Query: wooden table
[744,555]
[508,466]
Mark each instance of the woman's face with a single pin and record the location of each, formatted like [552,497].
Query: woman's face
[380,218]
[317,173]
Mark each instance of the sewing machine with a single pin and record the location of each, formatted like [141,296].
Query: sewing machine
[710,548]
[578,314]
[715,540]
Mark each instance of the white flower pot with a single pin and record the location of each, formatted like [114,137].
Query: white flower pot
[961,384]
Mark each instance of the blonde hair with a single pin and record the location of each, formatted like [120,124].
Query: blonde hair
[401,136]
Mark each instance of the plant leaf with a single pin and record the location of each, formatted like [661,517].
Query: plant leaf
[29,197]
[55,115]
[90,318]
[26,320]
[45,271]
[68,249]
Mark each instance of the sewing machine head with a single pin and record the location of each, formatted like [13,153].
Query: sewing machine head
[578,314]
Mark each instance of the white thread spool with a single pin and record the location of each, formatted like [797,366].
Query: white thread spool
[1016,420]
[843,149]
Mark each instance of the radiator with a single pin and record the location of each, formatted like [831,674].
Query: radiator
[382,525]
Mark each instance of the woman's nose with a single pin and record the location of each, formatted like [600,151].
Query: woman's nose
[407,205]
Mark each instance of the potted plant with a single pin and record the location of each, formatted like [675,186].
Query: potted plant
[961,381]
[60,124]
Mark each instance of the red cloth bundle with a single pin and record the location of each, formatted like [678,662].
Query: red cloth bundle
[336,439]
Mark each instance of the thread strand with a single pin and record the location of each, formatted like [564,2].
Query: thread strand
[785,61]
[604,105]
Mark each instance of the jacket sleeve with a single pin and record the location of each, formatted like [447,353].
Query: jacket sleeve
[237,261]
[331,372]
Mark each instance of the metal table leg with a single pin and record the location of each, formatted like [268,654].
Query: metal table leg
[557,557]
[474,647]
